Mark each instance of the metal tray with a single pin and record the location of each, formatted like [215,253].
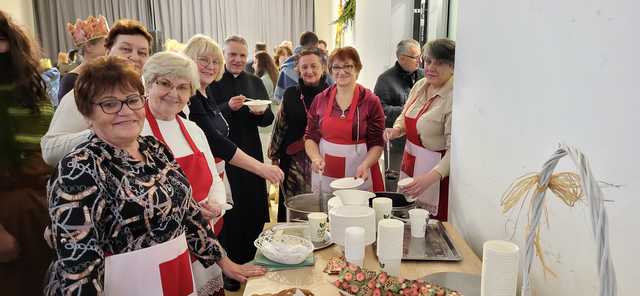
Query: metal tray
[434,246]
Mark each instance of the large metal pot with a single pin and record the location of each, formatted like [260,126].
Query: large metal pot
[299,206]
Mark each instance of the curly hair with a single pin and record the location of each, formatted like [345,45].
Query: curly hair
[24,65]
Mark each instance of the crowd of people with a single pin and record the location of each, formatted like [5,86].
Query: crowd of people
[149,175]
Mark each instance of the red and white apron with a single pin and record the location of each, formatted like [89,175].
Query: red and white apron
[342,155]
[418,160]
[163,269]
[197,170]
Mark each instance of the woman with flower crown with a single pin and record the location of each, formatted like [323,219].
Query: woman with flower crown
[88,37]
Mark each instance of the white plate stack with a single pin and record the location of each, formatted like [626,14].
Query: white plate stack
[346,216]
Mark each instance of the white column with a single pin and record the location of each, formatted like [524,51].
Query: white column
[530,75]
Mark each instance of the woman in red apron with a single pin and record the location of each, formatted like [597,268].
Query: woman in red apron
[344,135]
[168,95]
[123,217]
[426,120]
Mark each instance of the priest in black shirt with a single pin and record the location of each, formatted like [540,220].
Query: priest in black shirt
[246,220]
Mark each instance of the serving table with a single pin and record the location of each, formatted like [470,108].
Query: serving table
[314,279]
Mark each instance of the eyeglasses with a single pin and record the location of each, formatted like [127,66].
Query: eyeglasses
[416,58]
[166,86]
[113,105]
[345,68]
[205,62]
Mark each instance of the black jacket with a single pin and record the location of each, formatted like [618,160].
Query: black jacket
[393,87]
[205,113]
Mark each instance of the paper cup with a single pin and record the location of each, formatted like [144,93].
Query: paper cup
[354,244]
[390,239]
[405,182]
[382,206]
[390,266]
[318,225]
[358,262]
[418,219]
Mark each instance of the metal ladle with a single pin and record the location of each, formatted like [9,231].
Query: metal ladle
[389,174]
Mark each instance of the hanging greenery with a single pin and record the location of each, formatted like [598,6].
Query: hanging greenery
[347,15]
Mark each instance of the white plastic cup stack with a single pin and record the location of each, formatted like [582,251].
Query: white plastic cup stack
[354,245]
[382,206]
[318,225]
[389,246]
[499,268]
[418,219]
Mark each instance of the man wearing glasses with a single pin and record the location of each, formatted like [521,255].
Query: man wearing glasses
[393,88]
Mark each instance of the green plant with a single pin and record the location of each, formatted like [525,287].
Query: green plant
[348,14]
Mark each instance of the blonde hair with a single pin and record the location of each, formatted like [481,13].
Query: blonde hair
[200,45]
[174,64]
[173,45]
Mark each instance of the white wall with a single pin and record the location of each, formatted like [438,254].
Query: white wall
[437,19]
[325,12]
[532,74]
[379,26]
[21,11]
[453,19]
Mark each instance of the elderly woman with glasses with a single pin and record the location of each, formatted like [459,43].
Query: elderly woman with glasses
[426,120]
[287,143]
[124,215]
[345,125]
[204,111]
[171,80]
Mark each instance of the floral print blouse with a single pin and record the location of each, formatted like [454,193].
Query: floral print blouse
[103,202]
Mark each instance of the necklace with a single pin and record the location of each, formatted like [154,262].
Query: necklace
[342,115]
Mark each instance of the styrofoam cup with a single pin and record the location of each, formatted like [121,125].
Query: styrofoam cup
[354,242]
[382,206]
[418,219]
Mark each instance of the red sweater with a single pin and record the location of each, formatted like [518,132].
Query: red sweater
[369,107]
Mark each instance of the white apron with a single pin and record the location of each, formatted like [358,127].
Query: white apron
[163,269]
[424,161]
[352,156]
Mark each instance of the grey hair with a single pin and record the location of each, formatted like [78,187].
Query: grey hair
[236,38]
[174,64]
[200,45]
[403,46]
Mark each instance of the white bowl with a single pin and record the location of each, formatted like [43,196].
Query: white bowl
[346,183]
[346,216]
[257,105]
[354,197]
[284,248]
